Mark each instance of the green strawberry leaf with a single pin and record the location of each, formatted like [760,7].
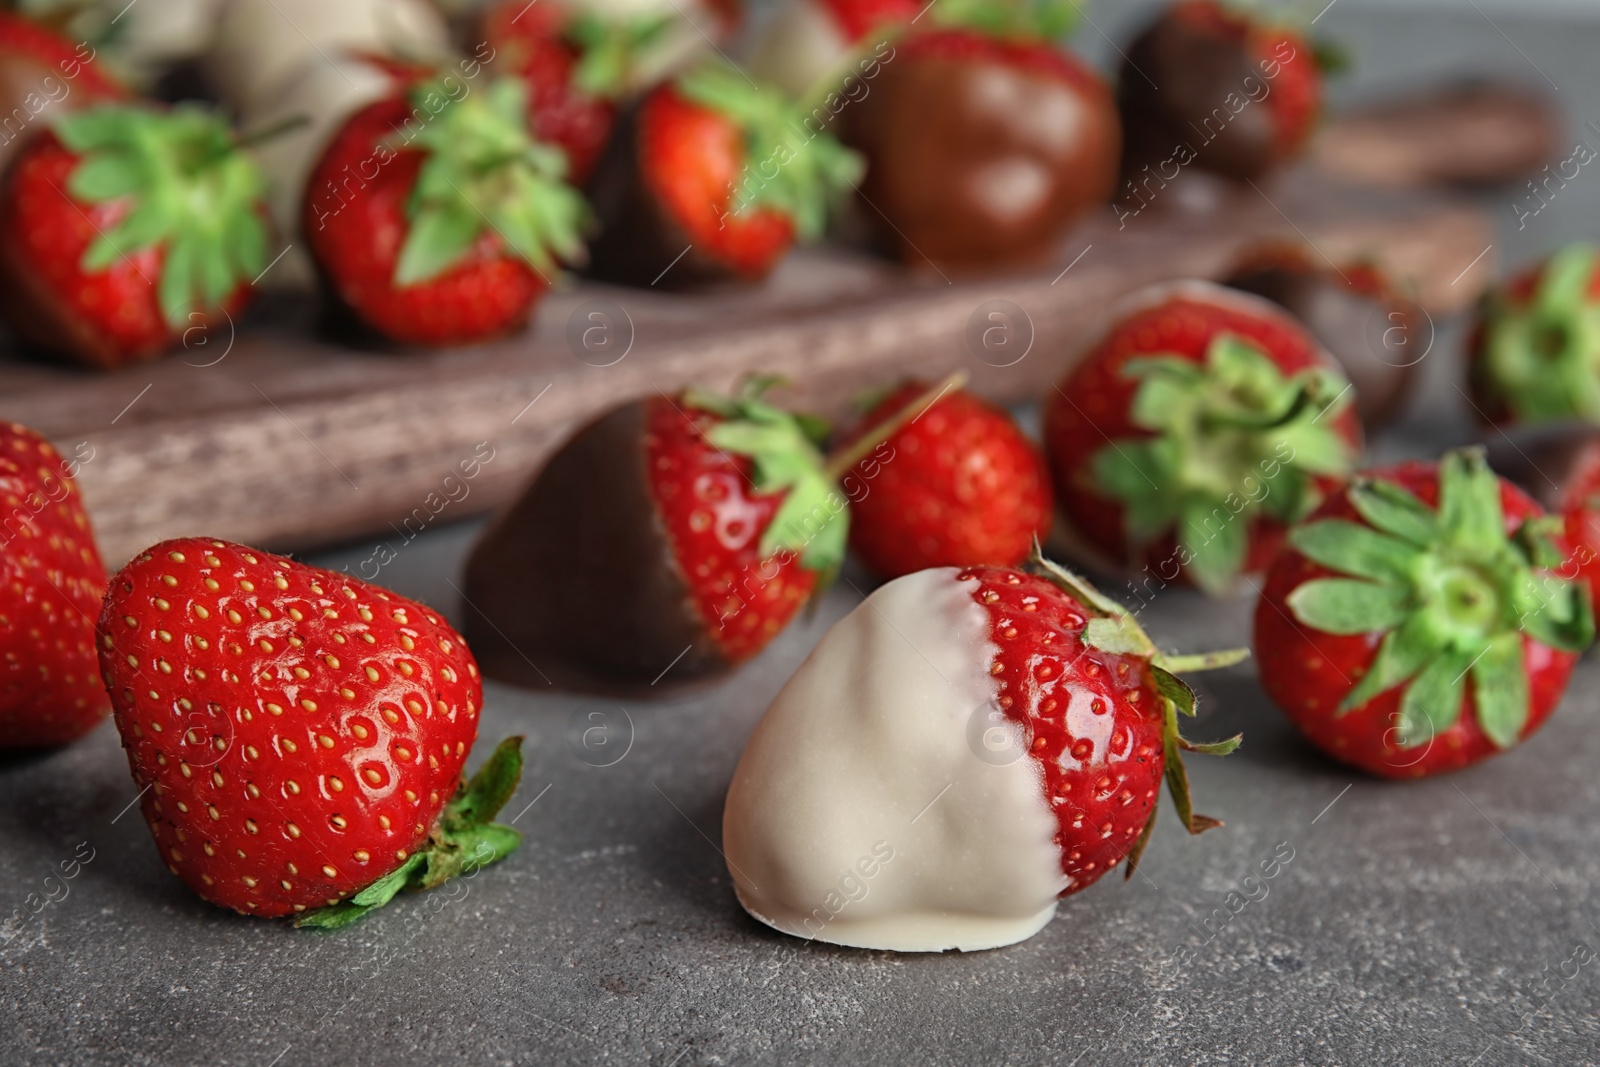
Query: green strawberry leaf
[1470,517]
[1355,549]
[1217,541]
[1431,703]
[485,174]
[1393,509]
[462,841]
[1500,690]
[1344,606]
[1403,652]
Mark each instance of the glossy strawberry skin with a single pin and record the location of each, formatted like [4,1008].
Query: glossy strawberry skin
[356,222]
[298,731]
[529,40]
[958,486]
[106,319]
[1093,720]
[1308,673]
[714,521]
[690,160]
[51,583]
[1093,405]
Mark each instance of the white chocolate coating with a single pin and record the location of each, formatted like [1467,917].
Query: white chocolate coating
[801,45]
[862,811]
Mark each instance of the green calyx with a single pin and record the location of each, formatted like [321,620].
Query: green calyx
[1451,592]
[1235,439]
[463,841]
[1112,628]
[791,167]
[609,50]
[1045,20]
[190,189]
[1544,358]
[813,521]
[485,173]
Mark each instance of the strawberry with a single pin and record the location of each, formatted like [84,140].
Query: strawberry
[51,582]
[126,227]
[1414,624]
[679,532]
[1535,353]
[299,734]
[1354,311]
[436,221]
[1037,702]
[1215,85]
[957,485]
[1026,144]
[1195,430]
[712,179]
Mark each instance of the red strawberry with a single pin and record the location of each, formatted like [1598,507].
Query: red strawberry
[51,582]
[300,734]
[1414,624]
[1216,87]
[1195,430]
[125,228]
[1039,701]
[1354,311]
[439,222]
[674,532]
[712,179]
[1536,350]
[956,485]
[1026,143]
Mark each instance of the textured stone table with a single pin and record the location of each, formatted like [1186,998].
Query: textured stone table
[1427,923]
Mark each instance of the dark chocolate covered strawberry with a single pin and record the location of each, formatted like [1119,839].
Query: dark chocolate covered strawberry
[1219,86]
[1199,426]
[711,178]
[1418,622]
[1378,336]
[1025,143]
[124,227]
[1535,355]
[677,532]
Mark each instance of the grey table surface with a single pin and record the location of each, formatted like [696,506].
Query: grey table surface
[1445,921]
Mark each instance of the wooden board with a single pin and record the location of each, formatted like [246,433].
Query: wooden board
[289,440]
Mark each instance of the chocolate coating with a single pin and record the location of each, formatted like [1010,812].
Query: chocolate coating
[979,163]
[638,240]
[578,578]
[1353,326]
[1194,74]
[1555,463]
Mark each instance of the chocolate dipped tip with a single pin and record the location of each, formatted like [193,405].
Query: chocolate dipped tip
[576,585]
[639,242]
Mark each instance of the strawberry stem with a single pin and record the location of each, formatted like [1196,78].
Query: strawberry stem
[840,463]
[463,840]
